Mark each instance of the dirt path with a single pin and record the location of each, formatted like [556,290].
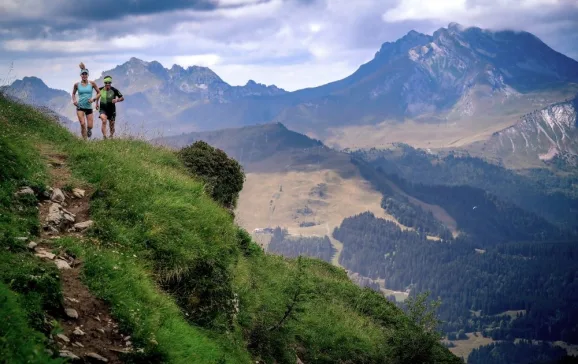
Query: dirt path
[89,333]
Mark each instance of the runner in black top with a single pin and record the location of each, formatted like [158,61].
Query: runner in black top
[109,96]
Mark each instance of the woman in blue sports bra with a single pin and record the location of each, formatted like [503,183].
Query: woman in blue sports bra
[84,102]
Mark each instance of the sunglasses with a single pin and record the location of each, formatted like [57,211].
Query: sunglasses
[107,83]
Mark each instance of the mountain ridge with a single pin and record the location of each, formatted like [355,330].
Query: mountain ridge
[537,139]
[474,81]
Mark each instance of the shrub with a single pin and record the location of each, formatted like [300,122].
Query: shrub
[224,176]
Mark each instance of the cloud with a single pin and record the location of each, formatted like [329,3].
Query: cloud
[292,43]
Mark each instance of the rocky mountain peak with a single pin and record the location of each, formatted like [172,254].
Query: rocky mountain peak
[401,46]
[456,27]
[33,81]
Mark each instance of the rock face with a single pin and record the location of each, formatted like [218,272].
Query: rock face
[543,135]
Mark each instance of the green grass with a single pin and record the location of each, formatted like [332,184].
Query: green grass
[18,342]
[173,266]
[28,286]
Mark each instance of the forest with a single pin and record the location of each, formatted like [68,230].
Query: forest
[414,216]
[293,246]
[484,216]
[544,192]
[522,352]
[538,277]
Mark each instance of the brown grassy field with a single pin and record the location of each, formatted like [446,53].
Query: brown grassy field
[463,348]
[454,129]
[283,199]
[416,134]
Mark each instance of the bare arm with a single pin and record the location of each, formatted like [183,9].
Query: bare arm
[74,94]
[94,86]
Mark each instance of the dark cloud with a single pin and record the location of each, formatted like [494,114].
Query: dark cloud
[62,16]
[115,9]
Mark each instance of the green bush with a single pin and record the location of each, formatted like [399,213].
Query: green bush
[224,176]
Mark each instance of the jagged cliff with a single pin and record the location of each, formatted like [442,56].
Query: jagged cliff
[539,137]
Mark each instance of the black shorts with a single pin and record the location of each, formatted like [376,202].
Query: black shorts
[110,115]
[85,111]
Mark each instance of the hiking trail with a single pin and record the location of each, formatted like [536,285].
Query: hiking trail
[89,332]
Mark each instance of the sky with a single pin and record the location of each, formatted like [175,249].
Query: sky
[290,43]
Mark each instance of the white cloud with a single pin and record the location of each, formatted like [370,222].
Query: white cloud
[314,27]
[205,60]
[421,10]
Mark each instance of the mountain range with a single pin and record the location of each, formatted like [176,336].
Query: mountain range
[455,88]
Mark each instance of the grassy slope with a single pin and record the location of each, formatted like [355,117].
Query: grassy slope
[170,261]
[28,286]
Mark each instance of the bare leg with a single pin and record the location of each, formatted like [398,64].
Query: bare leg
[80,115]
[111,123]
[90,119]
[103,118]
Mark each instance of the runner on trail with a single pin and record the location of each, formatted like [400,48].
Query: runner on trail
[109,96]
[84,102]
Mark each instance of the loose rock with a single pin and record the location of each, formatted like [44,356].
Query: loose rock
[83,225]
[77,344]
[68,354]
[78,193]
[43,253]
[97,357]
[78,332]
[57,195]
[21,238]
[24,191]
[62,264]
[54,214]
[32,245]
[69,217]
[63,338]
[71,312]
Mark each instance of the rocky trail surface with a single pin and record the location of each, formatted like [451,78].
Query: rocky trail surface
[89,334]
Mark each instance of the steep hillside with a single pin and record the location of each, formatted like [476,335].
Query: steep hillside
[539,138]
[546,194]
[181,279]
[250,144]
[296,182]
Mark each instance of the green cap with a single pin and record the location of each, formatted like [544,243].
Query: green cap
[108,79]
